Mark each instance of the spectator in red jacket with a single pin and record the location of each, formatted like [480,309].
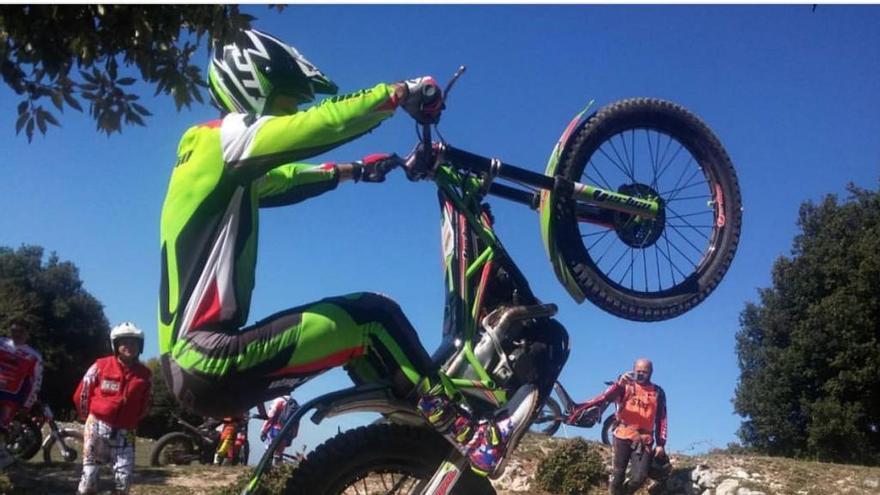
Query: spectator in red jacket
[113,397]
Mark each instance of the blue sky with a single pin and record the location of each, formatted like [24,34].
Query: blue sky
[792,94]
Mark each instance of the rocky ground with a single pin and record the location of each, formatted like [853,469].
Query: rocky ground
[713,474]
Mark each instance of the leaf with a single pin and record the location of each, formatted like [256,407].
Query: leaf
[29,130]
[72,101]
[126,81]
[51,119]
[22,107]
[41,121]
[140,109]
[111,68]
[57,99]
[88,77]
[20,122]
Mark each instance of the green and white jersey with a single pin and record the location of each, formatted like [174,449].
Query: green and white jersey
[225,171]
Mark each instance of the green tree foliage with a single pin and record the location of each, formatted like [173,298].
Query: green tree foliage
[573,468]
[57,56]
[164,409]
[809,352]
[68,326]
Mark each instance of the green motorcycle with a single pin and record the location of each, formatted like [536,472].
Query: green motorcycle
[640,214]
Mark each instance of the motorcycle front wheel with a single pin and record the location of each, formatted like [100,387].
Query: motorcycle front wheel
[23,440]
[53,451]
[548,418]
[174,448]
[648,269]
[386,459]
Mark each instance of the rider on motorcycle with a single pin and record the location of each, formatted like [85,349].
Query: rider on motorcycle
[226,170]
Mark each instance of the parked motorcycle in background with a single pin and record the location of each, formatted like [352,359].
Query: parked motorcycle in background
[24,439]
[197,444]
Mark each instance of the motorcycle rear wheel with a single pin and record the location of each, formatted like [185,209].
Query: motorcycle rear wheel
[648,270]
[378,459]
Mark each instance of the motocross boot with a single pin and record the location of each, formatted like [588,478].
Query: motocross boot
[445,416]
[492,441]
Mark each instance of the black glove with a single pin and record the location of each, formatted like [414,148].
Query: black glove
[374,168]
[423,100]
[263,437]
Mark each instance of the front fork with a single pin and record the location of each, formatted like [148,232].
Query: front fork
[446,477]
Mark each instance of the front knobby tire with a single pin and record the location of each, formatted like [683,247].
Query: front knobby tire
[649,270]
[54,452]
[379,458]
[175,448]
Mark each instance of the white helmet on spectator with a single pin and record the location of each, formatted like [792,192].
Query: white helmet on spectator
[124,330]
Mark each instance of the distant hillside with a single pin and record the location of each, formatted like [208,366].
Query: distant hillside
[713,474]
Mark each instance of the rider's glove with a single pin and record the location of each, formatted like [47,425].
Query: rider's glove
[374,168]
[423,99]
[263,436]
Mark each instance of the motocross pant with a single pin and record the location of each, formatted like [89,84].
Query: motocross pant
[102,443]
[625,452]
[224,371]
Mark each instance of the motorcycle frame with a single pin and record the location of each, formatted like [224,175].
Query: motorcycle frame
[463,180]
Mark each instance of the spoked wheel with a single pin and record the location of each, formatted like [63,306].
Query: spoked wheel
[378,459]
[548,419]
[175,449]
[70,451]
[608,429]
[649,269]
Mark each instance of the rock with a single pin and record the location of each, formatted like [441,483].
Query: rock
[871,482]
[741,473]
[703,476]
[727,487]
[515,478]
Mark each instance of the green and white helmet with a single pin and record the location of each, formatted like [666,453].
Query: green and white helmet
[246,74]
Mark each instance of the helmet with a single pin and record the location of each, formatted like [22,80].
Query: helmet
[244,75]
[125,330]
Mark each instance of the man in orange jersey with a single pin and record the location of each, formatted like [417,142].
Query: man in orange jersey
[641,419]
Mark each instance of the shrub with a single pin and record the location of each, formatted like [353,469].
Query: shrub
[272,483]
[572,468]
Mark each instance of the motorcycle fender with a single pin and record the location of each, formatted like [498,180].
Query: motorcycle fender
[565,276]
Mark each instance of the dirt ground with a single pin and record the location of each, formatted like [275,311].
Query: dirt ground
[52,479]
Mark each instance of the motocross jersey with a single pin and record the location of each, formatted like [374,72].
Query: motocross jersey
[225,171]
[21,373]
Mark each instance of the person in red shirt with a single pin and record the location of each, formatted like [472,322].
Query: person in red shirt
[113,397]
[641,418]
